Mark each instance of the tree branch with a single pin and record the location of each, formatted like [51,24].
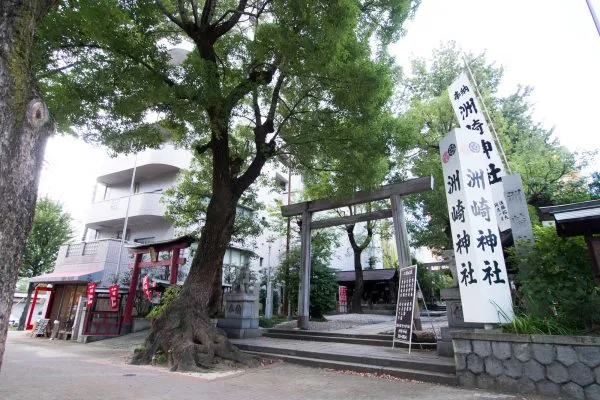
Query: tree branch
[207,12]
[195,11]
[256,78]
[166,12]
[275,98]
[222,28]
[201,149]
[256,107]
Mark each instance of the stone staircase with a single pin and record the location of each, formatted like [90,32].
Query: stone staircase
[337,337]
[352,352]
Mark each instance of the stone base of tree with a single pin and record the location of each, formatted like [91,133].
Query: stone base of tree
[567,366]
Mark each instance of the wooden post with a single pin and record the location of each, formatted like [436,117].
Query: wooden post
[304,293]
[127,319]
[174,267]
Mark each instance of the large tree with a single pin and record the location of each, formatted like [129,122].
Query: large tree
[25,125]
[549,171]
[263,78]
[51,228]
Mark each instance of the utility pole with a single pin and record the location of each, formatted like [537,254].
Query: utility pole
[287,304]
[269,302]
[131,189]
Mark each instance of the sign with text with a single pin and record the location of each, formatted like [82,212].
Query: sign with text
[91,291]
[470,116]
[482,276]
[516,202]
[407,285]
[113,295]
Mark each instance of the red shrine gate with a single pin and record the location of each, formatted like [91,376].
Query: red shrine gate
[154,251]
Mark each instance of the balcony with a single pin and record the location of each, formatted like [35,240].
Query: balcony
[145,208]
[149,163]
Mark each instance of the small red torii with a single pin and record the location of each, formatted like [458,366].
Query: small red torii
[154,249]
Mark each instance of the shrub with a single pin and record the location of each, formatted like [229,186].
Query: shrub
[555,281]
[269,323]
[166,298]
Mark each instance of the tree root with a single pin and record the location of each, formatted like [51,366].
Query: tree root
[190,342]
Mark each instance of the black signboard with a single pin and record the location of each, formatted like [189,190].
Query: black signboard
[404,307]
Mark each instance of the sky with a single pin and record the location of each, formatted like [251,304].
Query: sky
[551,45]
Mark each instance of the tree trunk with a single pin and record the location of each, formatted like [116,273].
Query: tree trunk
[356,306]
[23,318]
[184,331]
[25,126]
[357,294]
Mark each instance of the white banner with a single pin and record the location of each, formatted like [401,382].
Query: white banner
[483,281]
[470,115]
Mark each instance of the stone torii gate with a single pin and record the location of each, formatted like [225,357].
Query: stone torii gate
[306,209]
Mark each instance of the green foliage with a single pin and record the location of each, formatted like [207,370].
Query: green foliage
[323,284]
[187,204]
[166,298]
[547,169]
[594,185]
[159,357]
[271,322]
[536,325]
[555,281]
[432,281]
[51,228]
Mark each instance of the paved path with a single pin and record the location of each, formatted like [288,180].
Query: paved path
[40,368]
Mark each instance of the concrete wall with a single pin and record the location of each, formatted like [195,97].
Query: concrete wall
[567,366]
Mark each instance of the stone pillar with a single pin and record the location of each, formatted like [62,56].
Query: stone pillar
[241,316]
[456,321]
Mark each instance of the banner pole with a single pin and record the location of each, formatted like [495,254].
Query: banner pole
[489,117]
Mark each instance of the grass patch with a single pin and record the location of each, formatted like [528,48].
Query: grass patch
[271,322]
[531,324]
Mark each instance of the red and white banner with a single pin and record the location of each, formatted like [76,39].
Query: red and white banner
[342,294]
[91,291]
[113,295]
[146,287]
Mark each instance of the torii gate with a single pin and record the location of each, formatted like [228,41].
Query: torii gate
[394,192]
[173,261]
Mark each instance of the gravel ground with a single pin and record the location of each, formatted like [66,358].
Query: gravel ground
[366,323]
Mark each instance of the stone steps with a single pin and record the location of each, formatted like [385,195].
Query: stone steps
[442,373]
[336,337]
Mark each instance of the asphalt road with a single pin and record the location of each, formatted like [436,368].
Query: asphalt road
[44,369]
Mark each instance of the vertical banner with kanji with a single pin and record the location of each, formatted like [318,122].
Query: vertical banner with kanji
[483,281]
[146,287]
[470,117]
[342,295]
[407,285]
[113,295]
[91,291]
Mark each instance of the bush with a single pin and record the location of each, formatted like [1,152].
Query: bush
[166,298]
[269,323]
[432,281]
[555,282]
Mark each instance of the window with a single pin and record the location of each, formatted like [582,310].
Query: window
[136,187]
[120,235]
[106,193]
